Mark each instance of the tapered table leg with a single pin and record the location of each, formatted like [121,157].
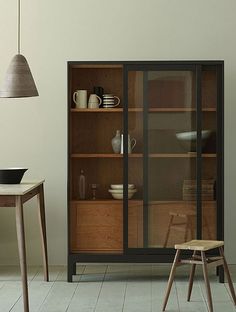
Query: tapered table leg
[42,223]
[21,248]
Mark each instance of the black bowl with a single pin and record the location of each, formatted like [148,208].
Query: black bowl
[11,175]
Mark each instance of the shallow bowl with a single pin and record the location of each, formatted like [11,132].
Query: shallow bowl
[118,194]
[11,175]
[120,186]
[188,140]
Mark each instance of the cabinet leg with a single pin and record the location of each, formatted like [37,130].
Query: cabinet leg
[71,268]
[74,268]
[221,274]
[21,247]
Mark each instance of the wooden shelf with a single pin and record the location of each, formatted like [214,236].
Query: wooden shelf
[178,201]
[170,109]
[139,109]
[137,201]
[96,155]
[180,109]
[161,155]
[103,155]
[109,201]
[97,66]
[96,110]
[178,155]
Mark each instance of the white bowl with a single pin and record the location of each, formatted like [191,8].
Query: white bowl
[188,140]
[120,186]
[118,194]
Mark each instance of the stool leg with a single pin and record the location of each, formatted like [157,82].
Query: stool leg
[171,278]
[207,284]
[231,287]
[192,272]
[168,231]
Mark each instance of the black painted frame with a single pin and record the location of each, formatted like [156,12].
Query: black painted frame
[153,255]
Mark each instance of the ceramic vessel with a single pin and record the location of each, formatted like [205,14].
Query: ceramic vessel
[11,175]
[82,185]
[116,142]
[188,140]
[120,186]
[118,194]
[131,144]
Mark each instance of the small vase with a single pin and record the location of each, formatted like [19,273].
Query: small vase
[82,185]
[116,142]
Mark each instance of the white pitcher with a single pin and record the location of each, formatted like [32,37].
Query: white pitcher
[131,144]
[80,98]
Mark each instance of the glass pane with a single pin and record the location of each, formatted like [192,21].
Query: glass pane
[209,162]
[135,162]
[162,119]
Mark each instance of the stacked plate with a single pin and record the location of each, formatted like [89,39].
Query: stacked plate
[117,191]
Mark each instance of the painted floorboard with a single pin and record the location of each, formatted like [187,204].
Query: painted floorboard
[108,288]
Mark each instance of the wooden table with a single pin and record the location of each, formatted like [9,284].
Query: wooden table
[15,195]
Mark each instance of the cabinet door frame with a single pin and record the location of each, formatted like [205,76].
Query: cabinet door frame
[196,67]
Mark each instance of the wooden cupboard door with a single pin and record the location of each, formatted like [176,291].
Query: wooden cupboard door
[96,227]
[135,222]
[177,222]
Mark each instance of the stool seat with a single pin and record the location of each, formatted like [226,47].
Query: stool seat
[201,245]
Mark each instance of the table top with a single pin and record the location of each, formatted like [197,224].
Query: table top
[19,189]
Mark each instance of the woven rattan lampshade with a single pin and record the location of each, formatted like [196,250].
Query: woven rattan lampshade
[19,81]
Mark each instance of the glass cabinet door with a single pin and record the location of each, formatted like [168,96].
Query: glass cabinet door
[163,159]
[210,104]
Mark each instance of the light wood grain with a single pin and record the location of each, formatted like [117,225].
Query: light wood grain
[96,228]
[201,245]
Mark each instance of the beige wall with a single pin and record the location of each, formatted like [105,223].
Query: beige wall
[33,131]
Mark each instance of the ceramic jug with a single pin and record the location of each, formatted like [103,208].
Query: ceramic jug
[80,98]
[131,144]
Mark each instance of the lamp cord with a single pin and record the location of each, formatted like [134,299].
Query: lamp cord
[18,28]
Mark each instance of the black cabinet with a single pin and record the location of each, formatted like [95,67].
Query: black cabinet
[171,118]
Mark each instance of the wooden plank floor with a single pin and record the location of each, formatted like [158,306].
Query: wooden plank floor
[111,288]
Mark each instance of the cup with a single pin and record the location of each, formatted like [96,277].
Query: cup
[80,98]
[131,144]
[109,100]
[99,91]
[94,101]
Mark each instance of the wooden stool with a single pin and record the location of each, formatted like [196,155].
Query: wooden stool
[199,246]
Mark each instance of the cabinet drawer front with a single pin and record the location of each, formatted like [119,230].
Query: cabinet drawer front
[96,227]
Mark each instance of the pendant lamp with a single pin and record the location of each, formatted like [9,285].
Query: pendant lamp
[19,81]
